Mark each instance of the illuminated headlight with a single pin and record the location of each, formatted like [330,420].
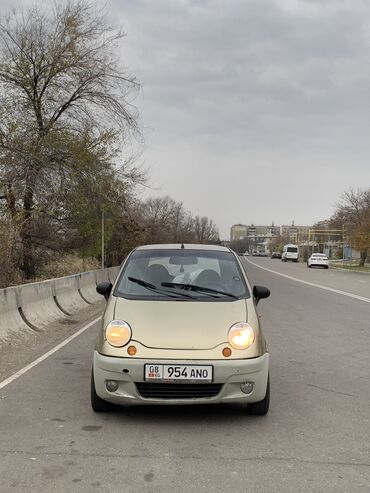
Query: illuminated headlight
[241,336]
[118,333]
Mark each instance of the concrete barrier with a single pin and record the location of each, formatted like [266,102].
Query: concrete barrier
[112,273]
[87,287]
[67,295]
[11,321]
[33,306]
[102,276]
[37,301]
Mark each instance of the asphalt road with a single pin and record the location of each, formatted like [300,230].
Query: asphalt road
[316,437]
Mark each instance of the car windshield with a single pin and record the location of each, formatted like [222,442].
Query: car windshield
[292,249]
[181,274]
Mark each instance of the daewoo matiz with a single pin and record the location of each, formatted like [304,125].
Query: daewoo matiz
[180,327]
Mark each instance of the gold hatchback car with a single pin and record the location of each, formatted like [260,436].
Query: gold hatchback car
[181,327]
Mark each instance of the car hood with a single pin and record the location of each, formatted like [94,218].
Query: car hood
[180,324]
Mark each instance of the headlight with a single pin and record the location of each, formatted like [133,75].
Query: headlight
[241,336]
[118,333]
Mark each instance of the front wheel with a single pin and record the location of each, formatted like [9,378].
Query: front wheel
[99,405]
[262,407]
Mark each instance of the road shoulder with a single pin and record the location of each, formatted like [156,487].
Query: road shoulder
[22,349]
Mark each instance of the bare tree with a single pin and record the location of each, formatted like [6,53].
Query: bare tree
[276,243]
[160,217]
[59,74]
[205,230]
[240,246]
[353,213]
[166,221]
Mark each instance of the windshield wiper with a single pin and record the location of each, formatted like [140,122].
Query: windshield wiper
[140,282]
[194,287]
[153,287]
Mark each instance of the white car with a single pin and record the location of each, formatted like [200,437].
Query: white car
[318,260]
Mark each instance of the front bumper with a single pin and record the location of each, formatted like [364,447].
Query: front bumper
[230,373]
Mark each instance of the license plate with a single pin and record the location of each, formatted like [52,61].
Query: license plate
[179,373]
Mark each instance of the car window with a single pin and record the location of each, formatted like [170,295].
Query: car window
[292,249]
[209,269]
[180,273]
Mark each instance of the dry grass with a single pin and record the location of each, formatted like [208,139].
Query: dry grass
[67,265]
[63,265]
[353,267]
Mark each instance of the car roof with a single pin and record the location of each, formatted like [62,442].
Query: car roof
[187,246]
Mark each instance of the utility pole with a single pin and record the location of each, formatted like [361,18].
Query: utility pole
[102,239]
[343,230]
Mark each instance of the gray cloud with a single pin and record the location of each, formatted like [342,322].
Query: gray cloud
[254,110]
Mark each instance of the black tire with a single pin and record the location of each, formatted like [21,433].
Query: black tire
[261,408]
[326,267]
[99,405]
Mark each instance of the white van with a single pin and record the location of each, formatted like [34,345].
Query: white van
[290,252]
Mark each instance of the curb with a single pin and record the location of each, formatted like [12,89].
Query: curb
[348,270]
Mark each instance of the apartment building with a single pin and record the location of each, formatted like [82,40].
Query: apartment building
[259,236]
[241,231]
[295,233]
[238,232]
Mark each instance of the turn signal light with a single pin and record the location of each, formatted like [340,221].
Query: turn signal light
[226,352]
[132,350]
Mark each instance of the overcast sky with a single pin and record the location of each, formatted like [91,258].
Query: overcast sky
[254,110]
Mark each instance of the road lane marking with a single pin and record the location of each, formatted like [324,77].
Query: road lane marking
[320,286]
[21,372]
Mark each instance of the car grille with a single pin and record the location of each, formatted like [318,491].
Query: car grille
[177,390]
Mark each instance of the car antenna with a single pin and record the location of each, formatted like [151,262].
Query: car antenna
[182,245]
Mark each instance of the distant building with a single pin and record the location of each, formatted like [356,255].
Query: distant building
[295,233]
[259,236]
[238,232]
[271,230]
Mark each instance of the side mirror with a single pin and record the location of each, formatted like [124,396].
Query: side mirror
[104,288]
[260,292]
